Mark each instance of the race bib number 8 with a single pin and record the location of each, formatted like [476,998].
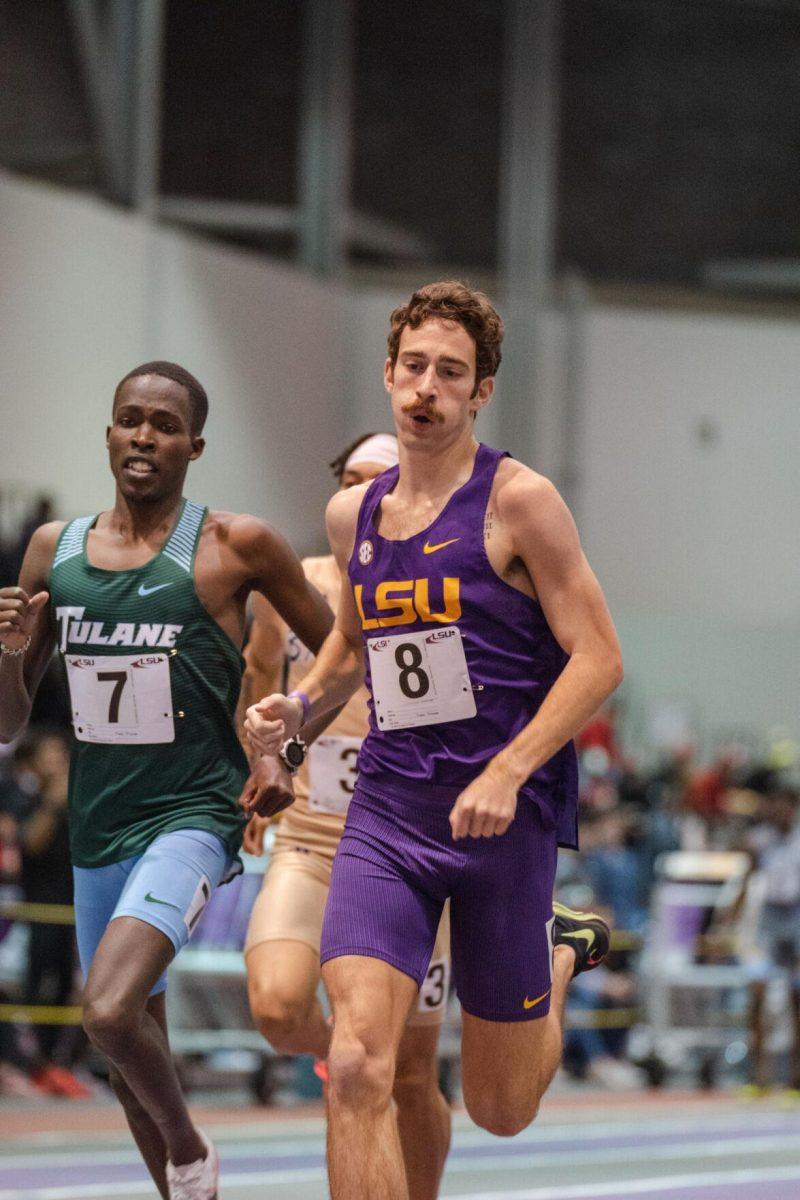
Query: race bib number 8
[332,773]
[122,700]
[420,679]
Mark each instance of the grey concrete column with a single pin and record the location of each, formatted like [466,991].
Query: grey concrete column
[147,105]
[325,134]
[527,214]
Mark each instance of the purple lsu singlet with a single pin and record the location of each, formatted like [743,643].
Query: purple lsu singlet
[457,660]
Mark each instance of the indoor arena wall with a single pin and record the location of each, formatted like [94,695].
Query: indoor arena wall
[89,292]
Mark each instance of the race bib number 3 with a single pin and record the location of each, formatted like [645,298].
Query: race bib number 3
[435,986]
[332,773]
[420,679]
[122,700]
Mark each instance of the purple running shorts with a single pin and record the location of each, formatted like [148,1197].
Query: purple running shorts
[396,865]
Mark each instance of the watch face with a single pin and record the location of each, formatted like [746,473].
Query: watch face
[295,754]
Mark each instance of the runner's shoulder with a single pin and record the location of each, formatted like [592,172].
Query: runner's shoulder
[343,508]
[35,571]
[242,533]
[519,491]
[341,519]
[42,546]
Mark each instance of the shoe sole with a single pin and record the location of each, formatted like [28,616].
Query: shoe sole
[575,914]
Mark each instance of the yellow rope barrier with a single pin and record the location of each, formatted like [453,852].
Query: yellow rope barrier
[41,1014]
[623,939]
[71,1014]
[603,1018]
[37,914]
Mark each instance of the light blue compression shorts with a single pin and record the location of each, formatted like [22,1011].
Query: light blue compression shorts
[168,887]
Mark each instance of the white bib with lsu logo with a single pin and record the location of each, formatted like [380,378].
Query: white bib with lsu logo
[420,679]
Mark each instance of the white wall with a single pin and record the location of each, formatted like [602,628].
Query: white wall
[88,292]
[72,315]
[695,538]
[684,526]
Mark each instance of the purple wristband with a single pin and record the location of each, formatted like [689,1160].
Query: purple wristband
[304,700]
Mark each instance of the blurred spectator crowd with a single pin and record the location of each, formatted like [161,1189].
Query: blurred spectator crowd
[38,961]
[635,817]
[20,516]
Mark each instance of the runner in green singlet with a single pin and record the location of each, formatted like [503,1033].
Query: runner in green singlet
[146,605]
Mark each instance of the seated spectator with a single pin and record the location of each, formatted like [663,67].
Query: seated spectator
[46,878]
[774,844]
[613,866]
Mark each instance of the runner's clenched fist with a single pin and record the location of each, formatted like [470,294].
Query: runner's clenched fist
[18,612]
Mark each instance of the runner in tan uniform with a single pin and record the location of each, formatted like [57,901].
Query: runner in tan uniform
[282,947]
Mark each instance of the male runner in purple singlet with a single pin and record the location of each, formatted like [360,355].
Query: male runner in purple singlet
[486,644]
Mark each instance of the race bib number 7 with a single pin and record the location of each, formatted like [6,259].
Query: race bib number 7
[420,679]
[123,700]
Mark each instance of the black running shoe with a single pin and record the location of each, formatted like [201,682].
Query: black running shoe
[585,932]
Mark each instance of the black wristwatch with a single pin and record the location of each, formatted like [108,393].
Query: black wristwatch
[293,754]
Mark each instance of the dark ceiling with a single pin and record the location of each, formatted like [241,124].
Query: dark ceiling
[679,122]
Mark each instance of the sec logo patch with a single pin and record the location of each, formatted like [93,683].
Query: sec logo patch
[365,553]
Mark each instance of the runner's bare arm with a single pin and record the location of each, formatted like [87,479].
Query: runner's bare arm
[23,614]
[339,669]
[268,789]
[263,658]
[545,540]
[273,569]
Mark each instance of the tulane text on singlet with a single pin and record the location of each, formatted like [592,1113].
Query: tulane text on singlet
[457,661]
[153,683]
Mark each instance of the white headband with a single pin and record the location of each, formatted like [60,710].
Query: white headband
[381,448]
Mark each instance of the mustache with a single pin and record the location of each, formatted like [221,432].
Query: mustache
[422,410]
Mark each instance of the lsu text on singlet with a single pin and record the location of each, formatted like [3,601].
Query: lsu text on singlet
[457,660]
[154,683]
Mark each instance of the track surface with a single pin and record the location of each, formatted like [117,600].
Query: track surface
[599,1147]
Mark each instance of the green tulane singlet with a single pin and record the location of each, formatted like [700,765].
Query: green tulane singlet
[154,684]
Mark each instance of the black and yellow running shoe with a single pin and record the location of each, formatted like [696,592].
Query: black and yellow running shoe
[586,932]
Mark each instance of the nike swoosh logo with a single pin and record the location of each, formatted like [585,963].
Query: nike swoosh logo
[532,1003]
[146,591]
[587,935]
[155,900]
[426,549]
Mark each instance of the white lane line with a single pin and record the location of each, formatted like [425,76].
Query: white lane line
[583,1191]
[638,1187]
[668,1152]
[268,1136]
[270,1143]
[144,1187]
[495,1153]
[296,1127]
[472,1166]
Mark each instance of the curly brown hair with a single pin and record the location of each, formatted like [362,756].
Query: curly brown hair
[452,300]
